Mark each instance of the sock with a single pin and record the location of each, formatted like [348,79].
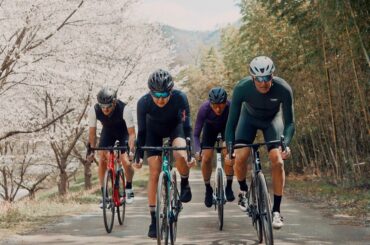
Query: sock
[152,214]
[184,181]
[128,185]
[208,187]
[277,201]
[243,185]
[229,181]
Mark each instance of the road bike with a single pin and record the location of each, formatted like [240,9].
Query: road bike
[114,189]
[169,205]
[219,198]
[259,203]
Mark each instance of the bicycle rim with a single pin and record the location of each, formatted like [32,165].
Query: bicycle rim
[175,208]
[162,210]
[122,194]
[220,198]
[253,208]
[265,210]
[108,204]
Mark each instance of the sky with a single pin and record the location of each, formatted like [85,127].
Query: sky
[190,14]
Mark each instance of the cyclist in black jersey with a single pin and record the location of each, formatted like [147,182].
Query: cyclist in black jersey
[161,113]
[261,101]
[117,120]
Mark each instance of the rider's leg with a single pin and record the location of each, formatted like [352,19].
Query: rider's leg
[229,171]
[240,167]
[154,163]
[129,173]
[103,157]
[207,155]
[278,177]
[182,167]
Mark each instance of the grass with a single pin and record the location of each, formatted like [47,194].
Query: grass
[24,215]
[351,203]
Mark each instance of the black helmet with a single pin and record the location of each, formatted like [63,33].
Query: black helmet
[217,95]
[107,95]
[160,81]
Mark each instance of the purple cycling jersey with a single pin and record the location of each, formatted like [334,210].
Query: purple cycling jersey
[208,116]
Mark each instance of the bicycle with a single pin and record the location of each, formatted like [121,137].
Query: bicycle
[259,203]
[219,198]
[169,205]
[114,189]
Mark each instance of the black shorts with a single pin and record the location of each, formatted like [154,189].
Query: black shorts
[247,129]
[209,135]
[109,136]
[157,132]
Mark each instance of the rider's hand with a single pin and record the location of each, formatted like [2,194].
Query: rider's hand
[90,157]
[131,156]
[227,157]
[137,165]
[192,163]
[285,154]
[198,156]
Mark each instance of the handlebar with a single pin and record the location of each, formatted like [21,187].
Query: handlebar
[107,148]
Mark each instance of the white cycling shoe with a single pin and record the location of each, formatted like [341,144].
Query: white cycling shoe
[277,221]
[130,196]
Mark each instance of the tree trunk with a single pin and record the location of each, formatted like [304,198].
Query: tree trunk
[87,172]
[63,179]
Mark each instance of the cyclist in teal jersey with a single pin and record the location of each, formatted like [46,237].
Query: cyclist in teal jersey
[265,102]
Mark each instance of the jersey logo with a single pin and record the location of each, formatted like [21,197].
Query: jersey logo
[273,99]
[183,116]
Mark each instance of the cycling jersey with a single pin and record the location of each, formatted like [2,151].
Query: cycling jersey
[156,123]
[260,110]
[211,124]
[114,125]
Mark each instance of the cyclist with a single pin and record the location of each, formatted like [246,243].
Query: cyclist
[261,101]
[117,120]
[164,112]
[211,119]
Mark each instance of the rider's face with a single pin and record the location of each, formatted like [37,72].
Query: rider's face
[218,108]
[107,109]
[263,87]
[162,101]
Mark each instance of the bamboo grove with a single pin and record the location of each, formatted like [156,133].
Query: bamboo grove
[322,49]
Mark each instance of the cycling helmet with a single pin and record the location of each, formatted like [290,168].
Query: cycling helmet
[107,95]
[261,66]
[217,95]
[160,81]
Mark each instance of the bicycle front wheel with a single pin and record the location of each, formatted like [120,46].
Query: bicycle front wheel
[253,210]
[162,210]
[175,207]
[122,196]
[264,206]
[220,198]
[108,203]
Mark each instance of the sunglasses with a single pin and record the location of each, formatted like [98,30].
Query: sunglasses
[264,78]
[106,106]
[160,94]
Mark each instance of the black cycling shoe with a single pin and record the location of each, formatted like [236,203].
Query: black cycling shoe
[229,194]
[208,199]
[152,233]
[185,194]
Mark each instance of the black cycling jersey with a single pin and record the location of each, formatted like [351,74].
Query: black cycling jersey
[155,121]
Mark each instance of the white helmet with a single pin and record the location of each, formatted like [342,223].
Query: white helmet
[261,66]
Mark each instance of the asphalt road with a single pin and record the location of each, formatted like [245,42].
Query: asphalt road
[197,225]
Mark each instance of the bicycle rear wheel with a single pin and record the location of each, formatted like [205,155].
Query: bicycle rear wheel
[162,210]
[175,207]
[220,198]
[108,203]
[253,210]
[122,196]
[264,206]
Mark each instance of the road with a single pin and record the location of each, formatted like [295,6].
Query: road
[197,225]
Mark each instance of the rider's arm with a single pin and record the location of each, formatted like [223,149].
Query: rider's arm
[92,127]
[141,123]
[234,112]
[186,120]
[127,116]
[288,114]
[198,126]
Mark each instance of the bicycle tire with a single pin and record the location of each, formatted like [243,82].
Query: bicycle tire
[220,198]
[253,210]
[265,209]
[162,210]
[122,195]
[175,207]
[108,203]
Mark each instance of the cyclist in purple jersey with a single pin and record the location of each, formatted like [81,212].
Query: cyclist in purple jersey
[211,119]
